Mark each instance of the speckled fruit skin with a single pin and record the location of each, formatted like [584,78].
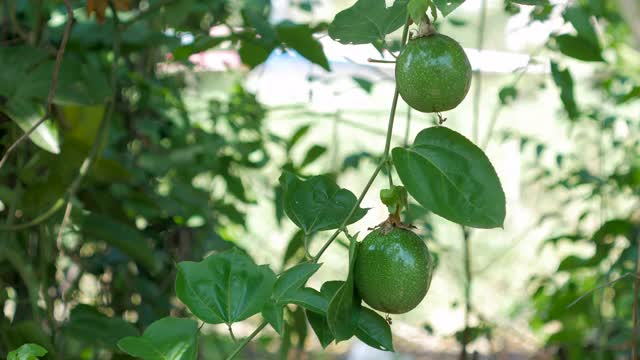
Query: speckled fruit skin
[393,271]
[433,73]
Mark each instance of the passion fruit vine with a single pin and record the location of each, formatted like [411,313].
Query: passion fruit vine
[433,73]
[393,269]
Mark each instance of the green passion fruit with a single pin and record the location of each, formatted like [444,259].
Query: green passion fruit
[393,270]
[433,73]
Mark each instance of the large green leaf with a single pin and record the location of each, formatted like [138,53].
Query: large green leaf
[91,326]
[225,287]
[342,314]
[27,352]
[447,6]
[578,48]
[299,37]
[450,176]
[367,21]
[166,339]
[374,330]
[564,81]
[317,204]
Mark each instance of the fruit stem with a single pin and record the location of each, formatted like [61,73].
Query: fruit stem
[381,61]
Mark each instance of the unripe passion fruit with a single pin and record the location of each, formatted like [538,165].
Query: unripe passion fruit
[433,73]
[393,270]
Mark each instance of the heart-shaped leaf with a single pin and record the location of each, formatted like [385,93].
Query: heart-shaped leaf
[367,21]
[166,339]
[225,287]
[27,352]
[317,204]
[449,175]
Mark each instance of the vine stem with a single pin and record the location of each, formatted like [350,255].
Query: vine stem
[52,87]
[466,233]
[93,153]
[104,125]
[636,292]
[343,226]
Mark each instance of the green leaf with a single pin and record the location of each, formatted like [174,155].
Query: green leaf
[91,326]
[320,326]
[125,237]
[225,287]
[374,330]
[342,314]
[308,298]
[579,18]
[297,135]
[564,81]
[253,53]
[317,204]
[578,48]
[27,352]
[166,339]
[363,83]
[300,38]
[367,21]
[507,95]
[312,155]
[450,176]
[417,10]
[293,279]
[447,6]
[273,314]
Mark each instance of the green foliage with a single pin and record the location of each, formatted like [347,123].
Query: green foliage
[225,287]
[367,21]
[166,339]
[450,176]
[317,204]
[342,314]
[27,352]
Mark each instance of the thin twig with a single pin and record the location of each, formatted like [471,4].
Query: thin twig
[52,87]
[636,292]
[465,231]
[381,61]
[233,337]
[104,124]
[601,287]
[407,128]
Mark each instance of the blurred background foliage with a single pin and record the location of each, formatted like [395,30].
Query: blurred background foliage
[172,121]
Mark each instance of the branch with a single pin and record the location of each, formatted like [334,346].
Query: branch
[52,87]
[342,227]
[636,292]
[104,124]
